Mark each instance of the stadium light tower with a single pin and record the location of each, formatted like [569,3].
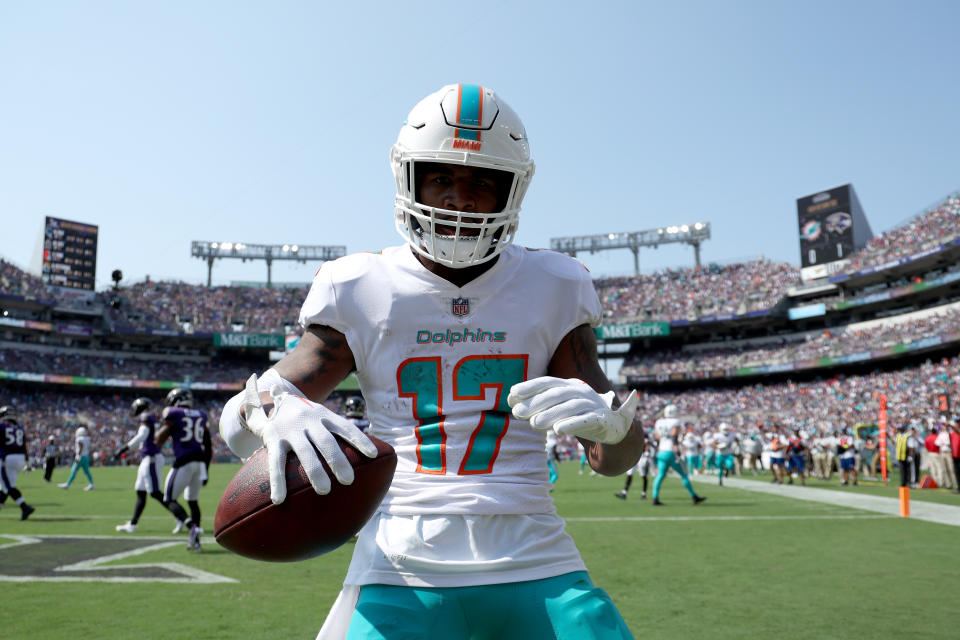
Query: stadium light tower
[210,251]
[692,234]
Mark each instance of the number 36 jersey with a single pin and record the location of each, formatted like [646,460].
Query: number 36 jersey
[436,362]
[188,434]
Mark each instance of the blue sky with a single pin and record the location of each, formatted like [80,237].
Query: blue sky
[166,122]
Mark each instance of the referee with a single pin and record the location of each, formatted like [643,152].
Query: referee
[50,453]
[905,451]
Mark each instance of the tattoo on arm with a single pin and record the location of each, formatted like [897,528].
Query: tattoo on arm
[584,347]
[319,362]
[325,354]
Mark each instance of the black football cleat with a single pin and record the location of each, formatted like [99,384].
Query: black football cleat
[657,503]
[620,494]
[698,499]
[25,511]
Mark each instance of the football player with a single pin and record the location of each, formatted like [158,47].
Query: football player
[50,453]
[724,441]
[709,451]
[692,446]
[467,348]
[667,432]
[643,467]
[150,469]
[81,459]
[550,447]
[13,458]
[192,451]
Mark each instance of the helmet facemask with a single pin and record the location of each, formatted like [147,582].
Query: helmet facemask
[457,238]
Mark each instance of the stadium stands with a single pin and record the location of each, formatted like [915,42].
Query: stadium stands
[725,320]
[932,229]
[688,294]
[828,343]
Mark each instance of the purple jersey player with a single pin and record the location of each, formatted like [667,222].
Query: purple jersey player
[150,469]
[192,450]
[13,458]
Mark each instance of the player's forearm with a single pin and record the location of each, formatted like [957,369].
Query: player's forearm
[320,362]
[138,439]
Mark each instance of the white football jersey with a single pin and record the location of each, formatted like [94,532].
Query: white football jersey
[662,428]
[691,444]
[436,362]
[470,501]
[83,445]
[724,443]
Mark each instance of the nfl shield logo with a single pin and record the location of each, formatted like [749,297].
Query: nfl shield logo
[460,307]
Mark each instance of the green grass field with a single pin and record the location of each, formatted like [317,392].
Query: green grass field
[741,565]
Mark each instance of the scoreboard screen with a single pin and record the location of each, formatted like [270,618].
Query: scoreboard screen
[826,226]
[69,254]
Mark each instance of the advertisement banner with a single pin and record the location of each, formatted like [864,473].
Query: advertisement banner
[632,330]
[242,340]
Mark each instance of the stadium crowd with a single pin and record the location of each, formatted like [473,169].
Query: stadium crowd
[837,403]
[935,227]
[127,368]
[171,305]
[831,343]
[682,294]
[15,281]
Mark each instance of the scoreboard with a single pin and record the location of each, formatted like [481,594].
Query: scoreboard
[832,226]
[69,254]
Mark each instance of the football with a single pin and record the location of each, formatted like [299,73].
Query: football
[306,524]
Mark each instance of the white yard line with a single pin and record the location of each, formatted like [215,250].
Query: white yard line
[693,518]
[919,510]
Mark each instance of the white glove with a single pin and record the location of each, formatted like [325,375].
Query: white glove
[307,429]
[572,407]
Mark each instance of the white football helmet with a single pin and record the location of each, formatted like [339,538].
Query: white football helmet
[81,432]
[724,427]
[670,411]
[469,125]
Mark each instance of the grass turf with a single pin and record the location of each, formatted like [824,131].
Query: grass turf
[787,567]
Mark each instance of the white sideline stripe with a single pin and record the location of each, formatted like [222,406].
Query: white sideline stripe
[689,518]
[919,510]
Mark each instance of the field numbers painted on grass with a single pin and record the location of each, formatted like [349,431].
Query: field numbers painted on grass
[65,558]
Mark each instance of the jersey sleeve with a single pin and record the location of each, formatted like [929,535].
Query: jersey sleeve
[140,437]
[572,295]
[320,306]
